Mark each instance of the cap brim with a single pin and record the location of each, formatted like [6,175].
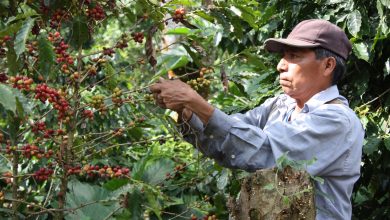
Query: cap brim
[277,45]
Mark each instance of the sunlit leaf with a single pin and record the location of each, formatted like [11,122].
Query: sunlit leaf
[361,51]
[179,30]
[386,3]
[354,21]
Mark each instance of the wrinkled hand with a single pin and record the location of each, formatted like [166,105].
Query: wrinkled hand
[172,94]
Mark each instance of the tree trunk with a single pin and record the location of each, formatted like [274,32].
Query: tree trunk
[271,194]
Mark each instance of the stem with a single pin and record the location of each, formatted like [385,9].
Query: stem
[15,203]
[66,146]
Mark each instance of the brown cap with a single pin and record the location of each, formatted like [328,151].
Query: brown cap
[313,33]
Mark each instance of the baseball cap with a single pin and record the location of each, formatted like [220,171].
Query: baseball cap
[313,33]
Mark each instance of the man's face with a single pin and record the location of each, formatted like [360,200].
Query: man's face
[301,73]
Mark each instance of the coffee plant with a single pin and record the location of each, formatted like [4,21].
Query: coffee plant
[81,137]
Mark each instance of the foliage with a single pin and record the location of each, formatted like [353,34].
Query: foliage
[80,72]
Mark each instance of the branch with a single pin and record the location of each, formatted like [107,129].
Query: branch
[373,100]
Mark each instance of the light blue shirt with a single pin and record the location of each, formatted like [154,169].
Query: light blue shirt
[331,133]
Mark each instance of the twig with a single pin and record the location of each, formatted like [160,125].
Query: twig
[373,100]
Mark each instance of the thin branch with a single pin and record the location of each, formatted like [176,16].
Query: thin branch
[373,100]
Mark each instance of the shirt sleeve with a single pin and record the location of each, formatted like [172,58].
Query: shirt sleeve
[239,141]
[218,138]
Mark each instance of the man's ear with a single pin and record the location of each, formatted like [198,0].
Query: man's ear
[329,65]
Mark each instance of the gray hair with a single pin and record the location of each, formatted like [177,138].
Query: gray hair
[340,67]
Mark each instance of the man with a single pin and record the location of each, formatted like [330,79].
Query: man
[310,120]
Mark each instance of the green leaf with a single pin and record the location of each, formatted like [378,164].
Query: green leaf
[135,201]
[111,82]
[387,142]
[46,55]
[22,35]
[361,51]
[386,3]
[7,98]
[22,104]
[177,57]
[10,29]
[115,184]
[12,61]
[223,179]
[153,202]
[80,33]
[180,30]
[82,193]
[155,172]
[354,21]
[371,145]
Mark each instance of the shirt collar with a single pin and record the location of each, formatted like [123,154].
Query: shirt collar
[319,99]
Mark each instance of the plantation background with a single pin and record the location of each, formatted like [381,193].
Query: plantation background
[105,151]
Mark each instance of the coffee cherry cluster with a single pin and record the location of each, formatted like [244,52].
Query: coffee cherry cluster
[122,43]
[21,82]
[178,16]
[43,93]
[32,150]
[199,83]
[97,171]
[38,126]
[210,217]
[43,174]
[58,16]
[204,70]
[116,96]
[5,39]
[138,37]
[3,43]
[108,51]
[98,102]
[3,77]
[88,114]
[91,70]
[10,149]
[63,56]
[118,132]
[1,137]
[7,177]
[96,13]
[54,37]
[32,47]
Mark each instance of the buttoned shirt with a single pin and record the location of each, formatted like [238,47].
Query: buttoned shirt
[330,133]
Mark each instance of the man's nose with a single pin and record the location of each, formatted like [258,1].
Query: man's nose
[282,66]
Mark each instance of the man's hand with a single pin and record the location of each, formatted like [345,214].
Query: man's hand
[172,94]
[180,97]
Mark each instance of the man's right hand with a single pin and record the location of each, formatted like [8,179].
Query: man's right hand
[177,96]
